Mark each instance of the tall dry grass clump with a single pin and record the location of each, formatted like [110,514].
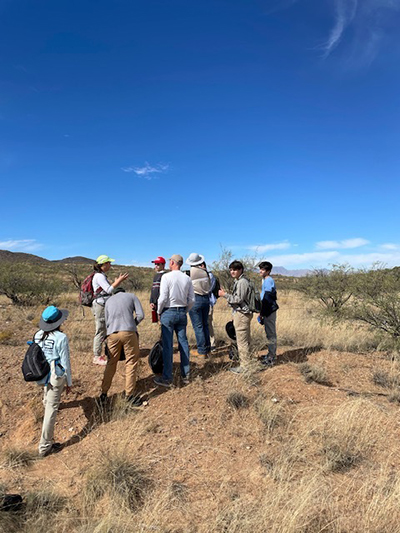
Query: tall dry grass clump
[349,434]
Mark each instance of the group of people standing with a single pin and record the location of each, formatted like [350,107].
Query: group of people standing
[174,295]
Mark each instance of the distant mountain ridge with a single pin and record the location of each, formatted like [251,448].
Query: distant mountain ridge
[19,257]
[282,271]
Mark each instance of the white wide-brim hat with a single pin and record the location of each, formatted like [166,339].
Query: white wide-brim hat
[194,259]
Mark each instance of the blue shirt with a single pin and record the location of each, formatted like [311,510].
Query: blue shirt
[267,285]
[55,347]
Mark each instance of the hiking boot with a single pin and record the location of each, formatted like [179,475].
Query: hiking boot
[55,448]
[197,354]
[134,400]
[158,380]
[267,362]
[237,369]
[100,360]
[103,398]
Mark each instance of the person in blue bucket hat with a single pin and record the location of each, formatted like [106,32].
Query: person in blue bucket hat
[55,347]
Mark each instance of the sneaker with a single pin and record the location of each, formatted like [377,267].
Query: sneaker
[103,398]
[185,380]
[134,400]
[237,370]
[55,448]
[99,360]
[158,380]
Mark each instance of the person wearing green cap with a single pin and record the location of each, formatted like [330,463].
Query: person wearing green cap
[103,290]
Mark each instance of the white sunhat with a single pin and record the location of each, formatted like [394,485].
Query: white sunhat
[195,259]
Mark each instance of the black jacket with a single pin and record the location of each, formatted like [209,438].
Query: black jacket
[269,304]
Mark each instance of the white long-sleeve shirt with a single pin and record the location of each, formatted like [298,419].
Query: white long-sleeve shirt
[100,280]
[176,290]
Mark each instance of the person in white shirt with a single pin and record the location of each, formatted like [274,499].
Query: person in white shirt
[102,290]
[175,300]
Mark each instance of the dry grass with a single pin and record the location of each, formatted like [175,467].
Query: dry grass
[314,373]
[17,458]
[237,400]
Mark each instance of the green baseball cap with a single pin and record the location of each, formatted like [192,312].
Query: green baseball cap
[104,259]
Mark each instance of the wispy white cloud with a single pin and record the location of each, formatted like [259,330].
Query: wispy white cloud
[345,11]
[347,243]
[390,246]
[148,171]
[261,248]
[364,24]
[324,259]
[20,245]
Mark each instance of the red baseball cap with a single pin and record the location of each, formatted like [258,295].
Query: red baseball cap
[159,260]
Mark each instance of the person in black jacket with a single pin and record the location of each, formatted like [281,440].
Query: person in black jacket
[267,315]
[159,267]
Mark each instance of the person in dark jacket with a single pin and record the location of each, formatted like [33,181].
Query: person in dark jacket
[159,267]
[267,315]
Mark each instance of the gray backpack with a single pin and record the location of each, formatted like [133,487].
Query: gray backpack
[253,298]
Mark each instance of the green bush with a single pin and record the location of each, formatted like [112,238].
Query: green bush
[28,285]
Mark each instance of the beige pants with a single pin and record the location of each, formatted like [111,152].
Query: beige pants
[129,340]
[101,330]
[242,329]
[51,401]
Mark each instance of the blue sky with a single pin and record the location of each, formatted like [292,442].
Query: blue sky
[145,128]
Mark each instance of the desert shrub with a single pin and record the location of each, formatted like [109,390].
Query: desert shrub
[237,400]
[385,379]
[314,373]
[29,286]
[116,476]
[376,302]
[41,512]
[15,458]
[6,336]
[331,288]
[220,268]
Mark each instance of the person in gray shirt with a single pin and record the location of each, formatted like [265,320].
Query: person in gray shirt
[123,312]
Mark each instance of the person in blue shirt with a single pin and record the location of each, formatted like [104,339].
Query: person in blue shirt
[267,315]
[55,348]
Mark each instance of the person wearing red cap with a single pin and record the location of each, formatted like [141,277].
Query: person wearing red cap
[159,267]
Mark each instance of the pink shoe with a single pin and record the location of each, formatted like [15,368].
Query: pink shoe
[99,360]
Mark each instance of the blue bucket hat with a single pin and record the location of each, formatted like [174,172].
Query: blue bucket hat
[52,318]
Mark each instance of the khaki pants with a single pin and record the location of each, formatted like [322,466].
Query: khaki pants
[101,330]
[51,401]
[129,340]
[242,329]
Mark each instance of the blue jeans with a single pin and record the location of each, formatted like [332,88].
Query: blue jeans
[174,319]
[199,317]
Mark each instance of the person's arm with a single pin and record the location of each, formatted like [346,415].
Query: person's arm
[239,298]
[63,352]
[163,298]
[138,310]
[191,297]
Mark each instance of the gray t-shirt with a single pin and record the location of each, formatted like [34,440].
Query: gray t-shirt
[119,312]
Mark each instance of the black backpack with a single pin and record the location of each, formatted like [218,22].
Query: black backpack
[156,358]
[35,365]
[216,288]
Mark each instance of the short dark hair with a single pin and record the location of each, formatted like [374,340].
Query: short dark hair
[236,265]
[265,265]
